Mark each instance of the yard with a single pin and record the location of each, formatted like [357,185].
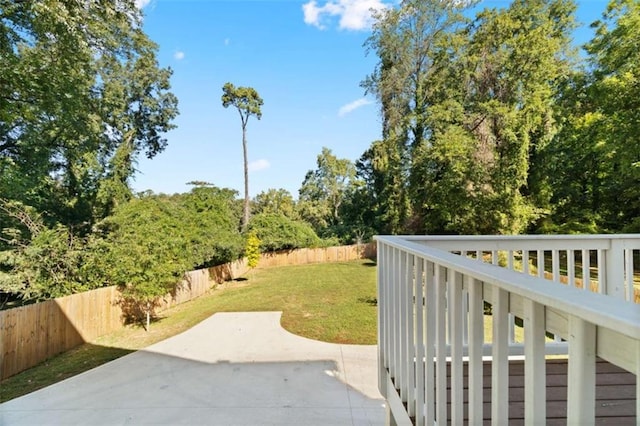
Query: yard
[332,302]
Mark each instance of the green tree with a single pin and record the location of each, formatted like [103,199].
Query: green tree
[520,56]
[81,95]
[247,101]
[278,232]
[149,243]
[467,107]
[143,252]
[42,262]
[615,60]
[412,43]
[324,189]
[576,164]
[275,201]
[591,166]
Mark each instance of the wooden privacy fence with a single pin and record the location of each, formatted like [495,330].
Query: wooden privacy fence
[318,255]
[33,333]
[30,334]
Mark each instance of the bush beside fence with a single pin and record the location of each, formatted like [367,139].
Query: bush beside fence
[33,333]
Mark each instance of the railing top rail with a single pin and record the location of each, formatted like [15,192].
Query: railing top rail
[594,308]
[527,237]
[528,242]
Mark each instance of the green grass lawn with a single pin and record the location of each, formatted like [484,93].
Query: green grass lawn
[332,302]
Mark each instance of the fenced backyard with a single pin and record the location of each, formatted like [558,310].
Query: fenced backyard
[33,333]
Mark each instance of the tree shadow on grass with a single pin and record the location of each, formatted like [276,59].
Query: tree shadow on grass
[57,368]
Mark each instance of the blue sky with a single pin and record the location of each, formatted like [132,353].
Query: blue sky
[306,60]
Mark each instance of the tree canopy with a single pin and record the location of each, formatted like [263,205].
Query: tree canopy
[490,124]
[81,97]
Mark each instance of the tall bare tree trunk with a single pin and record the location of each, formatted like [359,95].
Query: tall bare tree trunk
[245,215]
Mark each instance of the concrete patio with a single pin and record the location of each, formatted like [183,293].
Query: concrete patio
[231,369]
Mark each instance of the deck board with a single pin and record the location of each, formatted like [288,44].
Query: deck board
[615,393]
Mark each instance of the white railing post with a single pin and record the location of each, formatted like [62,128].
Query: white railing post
[476,342]
[637,380]
[614,274]
[455,317]
[581,375]
[441,345]
[420,342]
[394,314]
[500,358]
[382,320]
[410,360]
[403,318]
[431,337]
[628,263]
[535,400]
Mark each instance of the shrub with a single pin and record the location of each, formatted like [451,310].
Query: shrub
[278,232]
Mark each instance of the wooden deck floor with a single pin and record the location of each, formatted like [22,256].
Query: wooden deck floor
[615,393]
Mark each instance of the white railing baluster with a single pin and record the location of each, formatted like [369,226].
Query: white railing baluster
[410,364]
[540,263]
[581,374]
[571,267]
[465,313]
[525,262]
[512,319]
[404,317]
[555,265]
[394,316]
[534,367]
[418,290]
[430,352]
[388,256]
[476,343]
[628,263]
[455,317]
[441,346]
[500,359]
[602,283]
[586,270]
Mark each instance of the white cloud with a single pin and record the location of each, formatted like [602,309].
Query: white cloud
[227,41]
[178,56]
[352,106]
[354,14]
[256,166]
[142,3]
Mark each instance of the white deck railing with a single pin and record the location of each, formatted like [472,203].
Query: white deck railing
[431,292]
